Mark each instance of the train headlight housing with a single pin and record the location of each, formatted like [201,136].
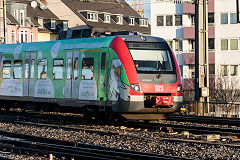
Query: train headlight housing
[179,88]
[136,87]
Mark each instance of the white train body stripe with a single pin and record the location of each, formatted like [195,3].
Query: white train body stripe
[178,98]
[136,98]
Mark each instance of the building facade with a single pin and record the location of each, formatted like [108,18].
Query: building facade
[175,23]
[29,21]
[100,16]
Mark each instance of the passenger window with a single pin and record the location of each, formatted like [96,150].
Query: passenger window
[87,68]
[42,69]
[26,69]
[17,69]
[75,72]
[103,59]
[58,69]
[32,68]
[6,69]
[69,66]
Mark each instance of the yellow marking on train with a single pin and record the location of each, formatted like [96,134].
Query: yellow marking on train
[90,50]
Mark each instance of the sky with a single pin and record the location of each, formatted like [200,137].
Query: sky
[147,13]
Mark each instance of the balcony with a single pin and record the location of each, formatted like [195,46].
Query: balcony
[189,32]
[189,58]
[190,8]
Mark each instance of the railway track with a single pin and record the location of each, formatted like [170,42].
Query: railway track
[150,132]
[177,123]
[44,147]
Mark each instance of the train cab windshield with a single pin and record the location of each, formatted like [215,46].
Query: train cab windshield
[151,57]
[151,60]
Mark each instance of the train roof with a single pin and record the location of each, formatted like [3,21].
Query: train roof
[141,38]
[81,43]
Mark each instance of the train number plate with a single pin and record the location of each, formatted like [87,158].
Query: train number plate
[158,88]
[164,100]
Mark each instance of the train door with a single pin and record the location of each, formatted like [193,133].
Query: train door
[72,75]
[29,74]
[103,74]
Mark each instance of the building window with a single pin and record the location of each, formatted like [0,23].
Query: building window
[15,14]
[23,36]
[178,20]
[233,44]
[210,17]
[191,45]
[224,18]
[211,43]
[178,45]
[22,19]
[143,22]
[65,26]
[107,18]
[212,69]
[169,20]
[119,19]
[53,24]
[17,69]
[234,70]
[58,69]
[233,18]
[26,36]
[224,70]
[160,21]
[6,69]
[224,44]
[192,17]
[31,36]
[87,68]
[92,17]
[40,21]
[191,70]
[42,69]
[13,37]
[131,21]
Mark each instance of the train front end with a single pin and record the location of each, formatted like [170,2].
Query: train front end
[154,77]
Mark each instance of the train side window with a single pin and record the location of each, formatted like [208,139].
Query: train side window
[75,72]
[103,59]
[58,69]
[32,68]
[69,66]
[6,69]
[27,69]
[42,69]
[87,68]
[17,69]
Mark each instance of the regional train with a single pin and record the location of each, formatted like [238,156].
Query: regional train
[134,76]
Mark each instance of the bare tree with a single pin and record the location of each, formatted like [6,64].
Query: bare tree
[225,92]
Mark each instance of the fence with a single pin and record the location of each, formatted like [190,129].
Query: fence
[230,110]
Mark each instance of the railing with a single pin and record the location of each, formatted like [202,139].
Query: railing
[213,109]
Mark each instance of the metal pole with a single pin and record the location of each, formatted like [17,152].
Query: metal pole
[237,1]
[4,22]
[197,94]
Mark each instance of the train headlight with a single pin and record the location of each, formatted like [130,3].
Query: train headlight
[136,87]
[179,88]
